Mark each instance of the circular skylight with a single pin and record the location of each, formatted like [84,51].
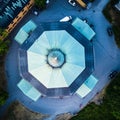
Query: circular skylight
[56,58]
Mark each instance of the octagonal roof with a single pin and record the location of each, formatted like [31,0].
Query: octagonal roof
[77,57]
[62,76]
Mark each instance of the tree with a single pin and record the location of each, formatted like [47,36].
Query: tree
[113,16]
[3,97]
[41,4]
[4,45]
[109,109]
[112,98]
[3,34]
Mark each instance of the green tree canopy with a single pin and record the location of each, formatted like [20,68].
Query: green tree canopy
[109,109]
[4,45]
[40,3]
[3,97]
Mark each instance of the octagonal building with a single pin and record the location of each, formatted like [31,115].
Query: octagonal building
[55,59]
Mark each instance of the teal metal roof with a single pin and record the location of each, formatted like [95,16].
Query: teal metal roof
[87,86]
[83,28]
[83,90]
[91,82]
[29,90]
[25,31]
[74,60]
[29,26]
[21,36]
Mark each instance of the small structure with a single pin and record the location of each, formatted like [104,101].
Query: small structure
[87,86]
[29,90]
[83,28]
[25,31]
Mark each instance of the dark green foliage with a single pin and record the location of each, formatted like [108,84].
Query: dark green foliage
[41,4]
[107,14]
[1,31]
[3,96]
[94,112]
[112,98]
[113,16]
[91,0]
[116,30]
[114,1]
[4,45]
[108,110]
[3,34]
